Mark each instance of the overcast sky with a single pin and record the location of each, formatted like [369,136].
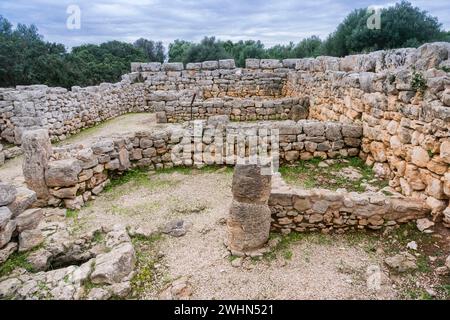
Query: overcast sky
[272,21]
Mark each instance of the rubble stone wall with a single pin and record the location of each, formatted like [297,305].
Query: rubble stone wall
[74,173]
[402,100]
[325,210]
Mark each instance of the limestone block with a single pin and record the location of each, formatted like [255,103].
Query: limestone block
[37,150]
[62,173]
[249,185]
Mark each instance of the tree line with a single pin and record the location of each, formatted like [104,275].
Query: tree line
[26,58]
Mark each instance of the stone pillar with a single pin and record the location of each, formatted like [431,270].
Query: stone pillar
[37,150]
[248,222]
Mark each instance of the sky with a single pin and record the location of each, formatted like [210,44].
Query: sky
[272,22]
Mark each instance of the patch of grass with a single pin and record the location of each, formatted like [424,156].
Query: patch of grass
[147,206]
[16,260]
[418,82]
[145,275]
[70,213]
[283,245]
[408,232]
[138,177]
[445,290]
[444,68]
[423,264]
[418,294]
[99,237]
[368,241]
[287,254]
[309,175]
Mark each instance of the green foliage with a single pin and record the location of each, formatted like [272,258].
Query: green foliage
[309,174]
[154,51]
[25,58]
[418,82]
[402,25]
[16,260]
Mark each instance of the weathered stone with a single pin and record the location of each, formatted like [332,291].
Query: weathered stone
[68,193]
[419,157]
[7,194]
[248,226]
[402,262]
[114,266]
[7,232]
[28,239]
[424,224]
[37,150]
[176,228]
[445,151]
[24,200]
[5,216]
[250,185]
[8,250]
[62,173]
[29,219]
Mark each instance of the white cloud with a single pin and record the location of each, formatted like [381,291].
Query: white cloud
[270,21]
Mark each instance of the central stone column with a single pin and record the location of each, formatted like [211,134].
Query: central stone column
[249,218]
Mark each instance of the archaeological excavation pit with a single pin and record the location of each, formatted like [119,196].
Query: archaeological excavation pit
[170,210]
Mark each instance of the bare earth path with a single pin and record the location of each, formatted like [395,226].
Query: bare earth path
[11,171]
[315,267]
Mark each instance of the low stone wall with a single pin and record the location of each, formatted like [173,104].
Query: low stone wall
[17,222]
[65,112]
[402,99]
[326,211]
[75,173]
[238,109]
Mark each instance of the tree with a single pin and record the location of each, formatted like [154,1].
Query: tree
[401,25]
[154,51]
[178,50]
[208,49]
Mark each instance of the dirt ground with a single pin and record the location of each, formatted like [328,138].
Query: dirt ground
[314,266]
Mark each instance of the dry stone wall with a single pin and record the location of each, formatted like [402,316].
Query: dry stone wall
[326,211]
[75,173]
[402,99]
[64,112]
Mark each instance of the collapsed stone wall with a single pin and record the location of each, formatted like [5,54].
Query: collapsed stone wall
[74,174]
[402,99]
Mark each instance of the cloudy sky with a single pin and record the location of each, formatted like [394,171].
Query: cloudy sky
[270,21]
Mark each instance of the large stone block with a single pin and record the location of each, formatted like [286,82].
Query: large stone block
[5,216]
[172,66]
[37,150]
[249,185]
[24,200]
[7,194]
[29,219]
[248,226]
[62,173]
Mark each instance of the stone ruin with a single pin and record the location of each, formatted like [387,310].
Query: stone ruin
[390,108]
